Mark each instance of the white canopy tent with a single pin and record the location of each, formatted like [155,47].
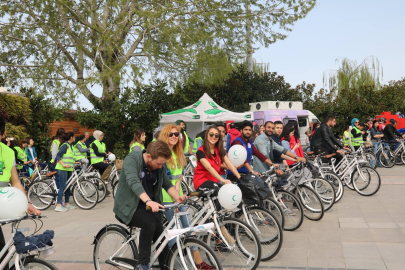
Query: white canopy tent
[204,110]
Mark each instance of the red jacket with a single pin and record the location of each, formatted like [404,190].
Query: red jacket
[201,174]
[299,152]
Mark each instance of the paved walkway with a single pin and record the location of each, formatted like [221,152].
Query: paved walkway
[357,233]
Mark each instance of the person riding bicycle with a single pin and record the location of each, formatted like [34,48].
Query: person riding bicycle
[324,140]
[141,181]
[174,169]
[98,152]
[9,175]
[243,140]
[390,131]
[65,167]
[270,148]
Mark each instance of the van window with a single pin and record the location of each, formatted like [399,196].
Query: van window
[302,122]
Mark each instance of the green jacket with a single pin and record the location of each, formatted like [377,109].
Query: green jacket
[130,186]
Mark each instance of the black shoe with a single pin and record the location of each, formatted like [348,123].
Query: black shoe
[222,247]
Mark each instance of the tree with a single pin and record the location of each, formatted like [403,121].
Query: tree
[135,108]
[64,46]
[44,113]
[350,75]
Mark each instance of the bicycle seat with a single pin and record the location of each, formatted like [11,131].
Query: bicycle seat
[50,174]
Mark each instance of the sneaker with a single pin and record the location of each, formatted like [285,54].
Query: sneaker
[142,267]
[204,266]
[70,207]
[61,209]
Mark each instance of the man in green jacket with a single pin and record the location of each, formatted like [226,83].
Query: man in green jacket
[141,181]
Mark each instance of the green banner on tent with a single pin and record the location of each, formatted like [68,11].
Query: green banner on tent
[181,111]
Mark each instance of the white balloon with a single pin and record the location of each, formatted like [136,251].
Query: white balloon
[229,196]
[237,154]
[13,203]
[111,157]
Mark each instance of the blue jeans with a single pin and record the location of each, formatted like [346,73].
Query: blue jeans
[396,145]
[63,177]
[184,221]
[224,176]
[376,144]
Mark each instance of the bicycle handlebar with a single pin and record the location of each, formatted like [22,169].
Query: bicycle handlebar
[27,216]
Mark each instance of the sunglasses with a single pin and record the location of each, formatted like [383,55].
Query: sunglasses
[176,134]
[214,134]
[356,122]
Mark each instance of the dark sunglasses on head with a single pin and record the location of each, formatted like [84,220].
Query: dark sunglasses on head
[176,134]
[212,135]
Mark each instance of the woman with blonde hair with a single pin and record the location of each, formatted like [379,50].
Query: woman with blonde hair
[138,142]
[170,134]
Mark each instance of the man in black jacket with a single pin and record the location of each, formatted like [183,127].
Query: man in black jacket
[324,140]
[390,131]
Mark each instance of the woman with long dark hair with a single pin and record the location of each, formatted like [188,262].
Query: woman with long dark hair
[138,142]
[290,141]
[210,156]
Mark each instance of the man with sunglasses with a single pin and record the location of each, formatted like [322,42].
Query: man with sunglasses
[243,140]
[141,181]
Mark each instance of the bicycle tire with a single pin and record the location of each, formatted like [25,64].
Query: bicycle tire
[269,231]
[131,251]
[398,159]
[188,242]
[90,194]
[370,156]
[101,188]
[371,185]
[271,205]
[185,188]
[312,202]
[403,157]
[389,160]
[336,182]
[39,195]
[292,209]
[242,255]
[34,262]
[325,191]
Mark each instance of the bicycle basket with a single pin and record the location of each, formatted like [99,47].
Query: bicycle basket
[254,189]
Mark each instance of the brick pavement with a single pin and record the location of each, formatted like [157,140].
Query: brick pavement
[357,233]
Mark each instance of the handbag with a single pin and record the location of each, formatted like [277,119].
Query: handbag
[254,189]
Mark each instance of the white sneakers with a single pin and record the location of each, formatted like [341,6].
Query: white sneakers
[62,208]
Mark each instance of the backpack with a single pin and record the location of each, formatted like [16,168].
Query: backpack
[254,189]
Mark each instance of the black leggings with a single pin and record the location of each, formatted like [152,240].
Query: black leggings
[101,167]
[211,185]
[2,245]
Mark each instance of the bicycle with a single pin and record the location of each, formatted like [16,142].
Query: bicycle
[399,152]
[385,155]
[25,260]
[187,184]
[43,194]
[125,252]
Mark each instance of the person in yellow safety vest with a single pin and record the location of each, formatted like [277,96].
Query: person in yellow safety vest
[156,136]
[81,152]
[346,136]
[174,168]
[138,142]
[185,142]
[22,159]
[357,135]
[65,165]
[198,141]
[99,152]
[9,176]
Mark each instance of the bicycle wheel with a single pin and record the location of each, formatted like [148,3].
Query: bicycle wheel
[187,244]
[403,157]
[336,183]
[348,181]
[184,187]
[41,194]
[398,158]
[387,158]
[245,251]
[292,209]
[107,242]
[101,188]
[371,158]
[85,194]
[313,206]
[275,209]
[34,264]
[267,228]
[367,182]
[325,191]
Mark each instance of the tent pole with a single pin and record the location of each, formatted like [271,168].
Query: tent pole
[202,125]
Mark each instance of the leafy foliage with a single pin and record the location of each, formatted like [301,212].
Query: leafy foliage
[44,113]
[16,132]
[65,46]
[15,109]
[138,107]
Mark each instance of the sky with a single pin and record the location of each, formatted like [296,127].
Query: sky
[354,29]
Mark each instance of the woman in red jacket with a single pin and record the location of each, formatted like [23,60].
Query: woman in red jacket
[210,156]
[290,140]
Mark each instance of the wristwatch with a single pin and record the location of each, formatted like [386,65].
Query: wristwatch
[148,201]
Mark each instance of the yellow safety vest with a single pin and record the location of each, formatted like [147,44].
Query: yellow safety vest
[187,145]
[57,142]
[6,164]
[68,158]
[21,155]
[101,148]
[357,141]
[346,138]
[176,173]
[136,144]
